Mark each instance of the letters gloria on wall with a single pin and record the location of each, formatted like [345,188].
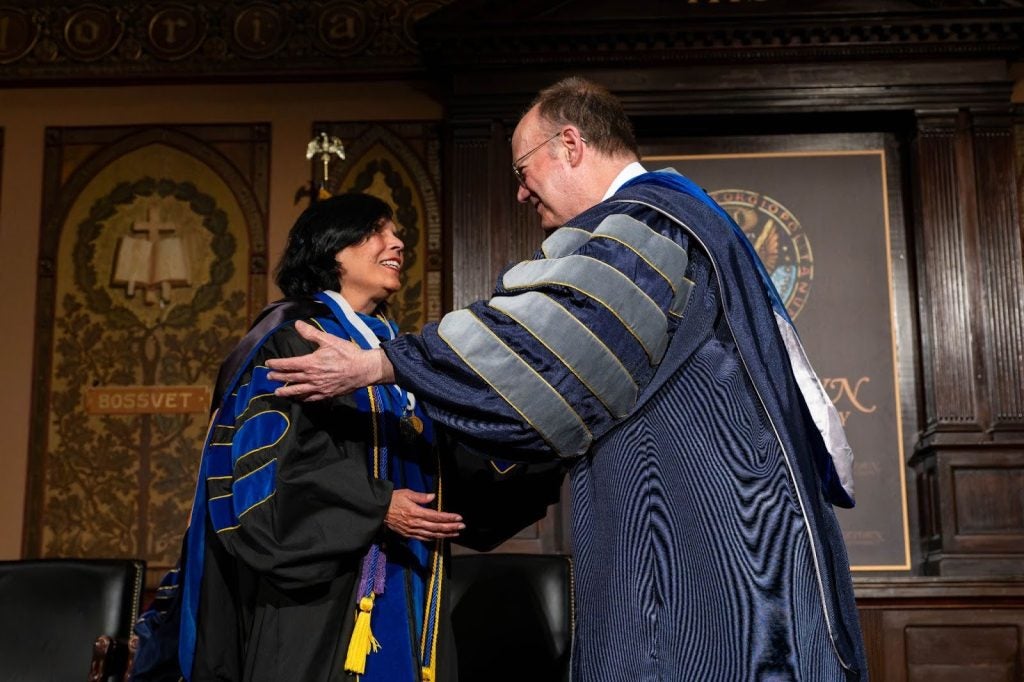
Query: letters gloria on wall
[153,262]
[826,221]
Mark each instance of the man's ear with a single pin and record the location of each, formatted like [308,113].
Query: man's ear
[574,146]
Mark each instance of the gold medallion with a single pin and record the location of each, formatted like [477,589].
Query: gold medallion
[411,427]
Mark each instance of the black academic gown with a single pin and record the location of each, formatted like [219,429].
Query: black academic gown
[275,577]
[278,593]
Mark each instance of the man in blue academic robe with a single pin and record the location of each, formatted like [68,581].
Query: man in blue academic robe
[646,345]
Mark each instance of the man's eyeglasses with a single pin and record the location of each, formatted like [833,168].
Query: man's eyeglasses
[517,165]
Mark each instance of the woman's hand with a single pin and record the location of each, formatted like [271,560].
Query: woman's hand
[408,517]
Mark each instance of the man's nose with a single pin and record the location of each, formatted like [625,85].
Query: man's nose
[522,194]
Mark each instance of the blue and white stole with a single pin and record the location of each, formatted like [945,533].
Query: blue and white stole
[383,584]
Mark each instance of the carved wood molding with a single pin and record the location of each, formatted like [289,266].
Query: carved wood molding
[239,39]
[479,34]
[118,39]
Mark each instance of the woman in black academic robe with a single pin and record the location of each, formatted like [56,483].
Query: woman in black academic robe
[317,547]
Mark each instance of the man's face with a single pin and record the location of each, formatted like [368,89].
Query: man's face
[547,182]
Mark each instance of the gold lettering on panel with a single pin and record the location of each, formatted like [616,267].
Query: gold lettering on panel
[147,399]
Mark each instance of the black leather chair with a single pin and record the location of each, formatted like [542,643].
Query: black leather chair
[512,616]
[52,612]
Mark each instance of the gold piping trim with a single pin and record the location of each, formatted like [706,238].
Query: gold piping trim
[288,426]
[566,364]
[503,396]
[629,328]
[639,255]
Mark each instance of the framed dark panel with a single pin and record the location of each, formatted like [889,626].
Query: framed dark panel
[825,215]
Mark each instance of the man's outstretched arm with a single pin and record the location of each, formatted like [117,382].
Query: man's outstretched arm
[556,357]
[337,367]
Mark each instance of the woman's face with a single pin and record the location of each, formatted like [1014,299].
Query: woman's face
[369,270]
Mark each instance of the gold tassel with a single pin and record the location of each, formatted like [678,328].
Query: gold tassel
[363,641]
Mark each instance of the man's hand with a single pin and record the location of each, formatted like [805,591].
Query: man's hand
[337,367]
[409,518]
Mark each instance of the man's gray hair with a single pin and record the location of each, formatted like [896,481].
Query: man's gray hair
[596,112]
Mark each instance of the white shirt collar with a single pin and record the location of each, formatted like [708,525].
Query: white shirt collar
[625,175]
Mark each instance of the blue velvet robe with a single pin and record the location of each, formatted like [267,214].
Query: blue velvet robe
[641,343]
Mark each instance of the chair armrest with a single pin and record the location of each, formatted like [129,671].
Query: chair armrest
[110,658]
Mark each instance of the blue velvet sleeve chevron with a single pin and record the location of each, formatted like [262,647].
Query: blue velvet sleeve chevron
[287,487]
[565,345]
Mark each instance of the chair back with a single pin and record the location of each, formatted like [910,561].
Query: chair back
[52,611]
[512,616]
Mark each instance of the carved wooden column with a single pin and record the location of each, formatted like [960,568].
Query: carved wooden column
[468,207]
[970,457]
[490,230]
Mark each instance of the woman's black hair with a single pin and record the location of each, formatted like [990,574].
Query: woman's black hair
[325,228]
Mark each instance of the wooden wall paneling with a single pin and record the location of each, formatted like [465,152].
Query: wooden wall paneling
[944,266]
[927,629]
[934,645]
[1001,275]
[979,527]
[969,260]
[506,231]
[907,324]
[948,394]
[969,459]
[487,228]
[988,510]
[1,166]
[929,511]
[873,631]
[469,209]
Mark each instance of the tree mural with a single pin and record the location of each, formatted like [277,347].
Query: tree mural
[144,463]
